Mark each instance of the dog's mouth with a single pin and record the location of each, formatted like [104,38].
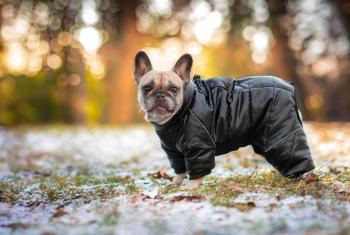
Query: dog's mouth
[160,109]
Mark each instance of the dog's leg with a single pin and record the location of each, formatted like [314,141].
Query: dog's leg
[193,184]
[179,178]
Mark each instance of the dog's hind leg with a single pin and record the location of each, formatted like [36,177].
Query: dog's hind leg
[291,155]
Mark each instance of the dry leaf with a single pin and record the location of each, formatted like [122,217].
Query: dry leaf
[244,206]
[271,207]
[310,177]
[59,213]
[152,193]
[343,190]
[278,197]
[187,198]
[133,199]
[160,175]
[144,196]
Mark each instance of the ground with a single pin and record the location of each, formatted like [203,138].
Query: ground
[79,180]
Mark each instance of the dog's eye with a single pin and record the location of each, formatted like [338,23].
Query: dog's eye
[146,89]
[173,89]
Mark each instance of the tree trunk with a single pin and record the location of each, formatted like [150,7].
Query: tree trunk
[283,60]
[122,106]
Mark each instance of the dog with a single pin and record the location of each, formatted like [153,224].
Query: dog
[198,119]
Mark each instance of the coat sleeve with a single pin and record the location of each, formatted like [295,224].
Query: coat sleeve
[199,162]
[176,160]
[199,149]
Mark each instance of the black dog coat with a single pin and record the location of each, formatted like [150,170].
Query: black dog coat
[222,114]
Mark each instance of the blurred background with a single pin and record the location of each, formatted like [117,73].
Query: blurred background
[71,61]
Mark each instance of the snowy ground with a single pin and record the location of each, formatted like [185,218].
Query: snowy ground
[62,180]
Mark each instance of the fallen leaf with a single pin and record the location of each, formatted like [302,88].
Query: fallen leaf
[278,197]
[244,206]
[310,177]
[160,175]
[59,213]
[152,193]
[144,196]
[271,207]
[343,190]
[133,199]
[187,198]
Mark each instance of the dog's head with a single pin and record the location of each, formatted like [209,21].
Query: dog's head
[161,93]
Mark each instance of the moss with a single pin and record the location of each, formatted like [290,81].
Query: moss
[8,192]
[169,188]
[222,191]
[158,226]
[131,188]
[81,180]
[57,187]
[50,190]
[110,220]
[118,179]
[53,194]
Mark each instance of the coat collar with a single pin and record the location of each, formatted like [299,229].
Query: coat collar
[188,98]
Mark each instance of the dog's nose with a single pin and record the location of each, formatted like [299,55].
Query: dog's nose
[160,95]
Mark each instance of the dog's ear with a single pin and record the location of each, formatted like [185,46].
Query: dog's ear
[142,65]
[183,67]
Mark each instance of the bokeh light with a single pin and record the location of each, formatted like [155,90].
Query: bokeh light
[16,57]
[90,38]
[82,49]
[89,14]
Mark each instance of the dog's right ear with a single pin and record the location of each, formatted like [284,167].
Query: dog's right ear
[142,65]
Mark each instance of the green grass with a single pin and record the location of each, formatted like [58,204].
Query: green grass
[56,188]
[219,191]
[222,191]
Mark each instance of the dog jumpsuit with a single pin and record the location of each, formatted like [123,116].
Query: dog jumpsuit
[220,115]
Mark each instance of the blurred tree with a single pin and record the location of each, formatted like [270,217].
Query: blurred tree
[316,32]
[282,57]
[121,107]
[71,61]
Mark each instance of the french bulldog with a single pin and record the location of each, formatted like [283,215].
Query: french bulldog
[197,119]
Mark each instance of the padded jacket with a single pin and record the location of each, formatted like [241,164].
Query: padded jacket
[220,115]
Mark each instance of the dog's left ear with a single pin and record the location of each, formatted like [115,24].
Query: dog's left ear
[183,67]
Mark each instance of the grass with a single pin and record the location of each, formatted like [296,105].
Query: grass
[219,191]
[334,185]
[222,191]
[56,188]
[64,183]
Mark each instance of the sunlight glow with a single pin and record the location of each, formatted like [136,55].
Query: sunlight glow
[54,61]
[97,68]
[34,64]
[64,38]
[314,101]
[89,14]
[21,26]
[248,32]
[260,41]
[259,57]
[161,7]
[207,27]
[16,58]
[90,38]
[171,49]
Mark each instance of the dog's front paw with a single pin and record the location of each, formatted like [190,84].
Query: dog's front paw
[192,184]
[178,179]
